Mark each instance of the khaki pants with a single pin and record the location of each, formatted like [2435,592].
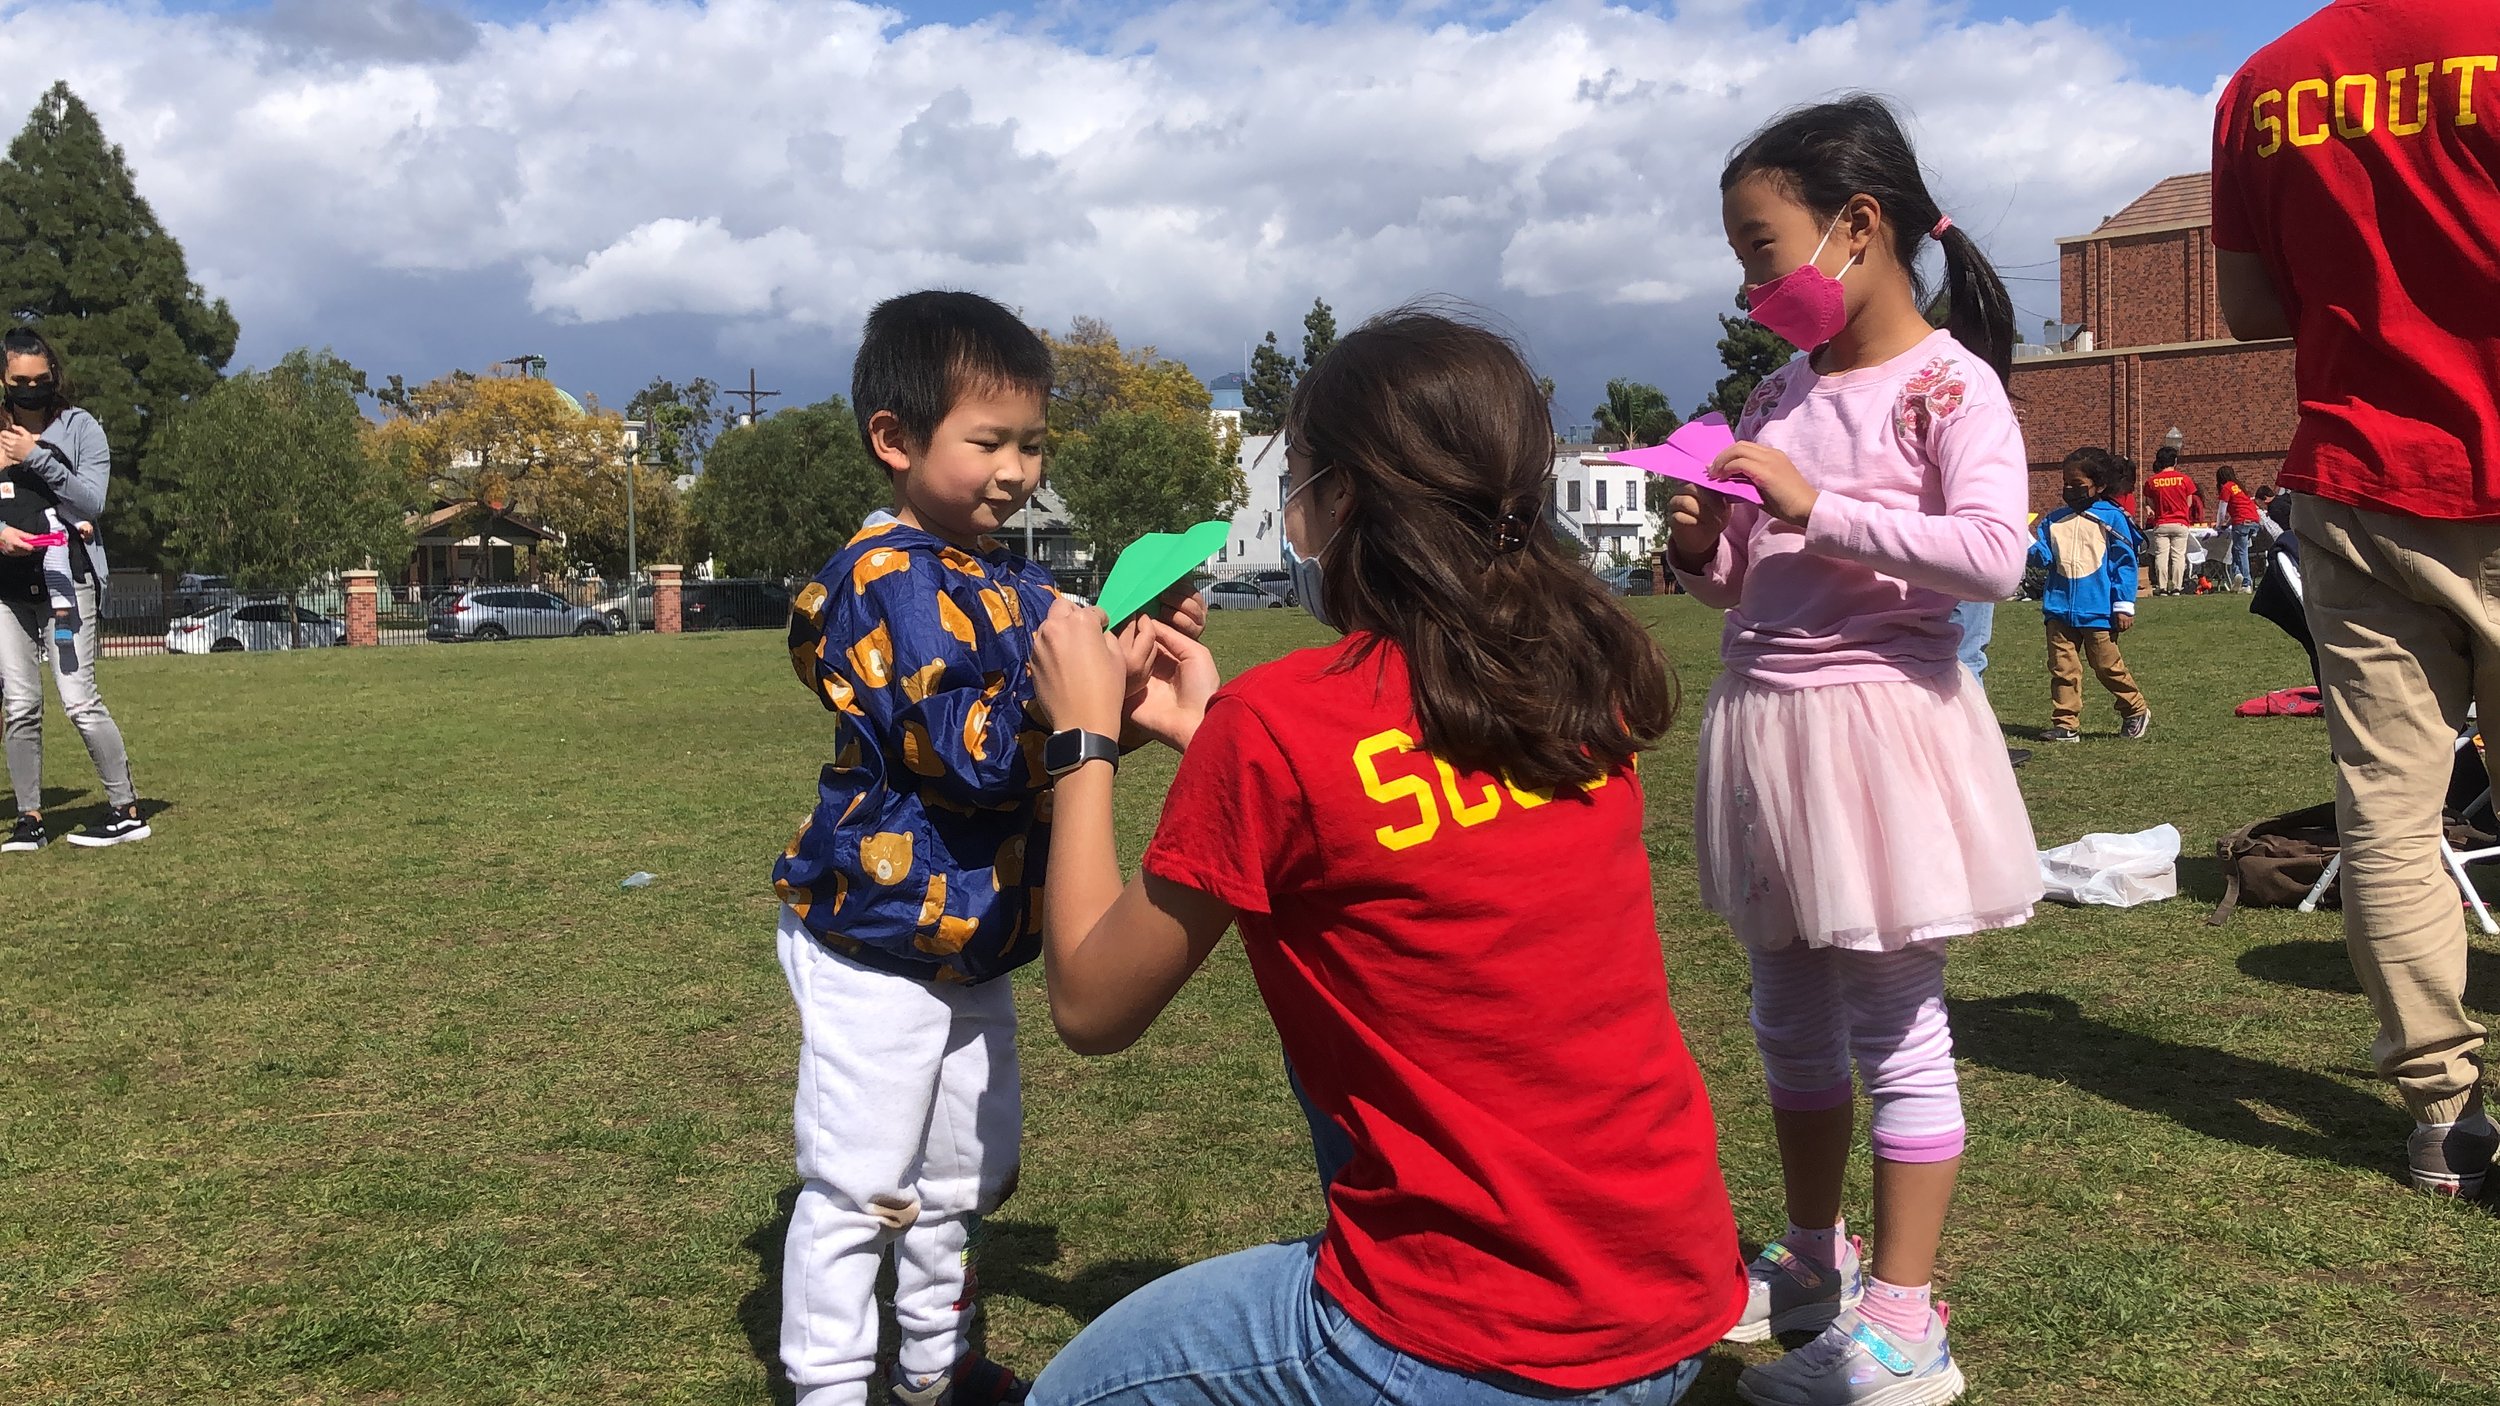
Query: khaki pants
[2170,557]
[2069,650]
[2406,612]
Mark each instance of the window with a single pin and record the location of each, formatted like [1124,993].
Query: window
[1631,493]
[1601,495]
[261,614]
[1573,505]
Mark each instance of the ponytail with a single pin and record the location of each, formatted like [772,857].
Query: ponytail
[1830,153]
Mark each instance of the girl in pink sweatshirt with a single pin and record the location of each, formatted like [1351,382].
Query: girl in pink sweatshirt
[1856,807]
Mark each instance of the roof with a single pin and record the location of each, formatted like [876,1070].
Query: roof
[2180,200]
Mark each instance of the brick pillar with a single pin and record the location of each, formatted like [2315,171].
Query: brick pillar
[364,628]
[668,596]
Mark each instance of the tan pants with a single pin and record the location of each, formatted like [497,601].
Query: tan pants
[2406,613]
[2170,557]
[2069,650]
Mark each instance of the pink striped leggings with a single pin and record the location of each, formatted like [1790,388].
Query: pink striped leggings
[1816,1007]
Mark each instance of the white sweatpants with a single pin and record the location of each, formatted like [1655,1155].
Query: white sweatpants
[909,1112]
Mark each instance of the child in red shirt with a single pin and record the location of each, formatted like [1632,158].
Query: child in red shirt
[2235,514]
[1533,1206]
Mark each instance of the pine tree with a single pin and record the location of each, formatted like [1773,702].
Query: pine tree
[83,259]
[1319,332]
[1270,388]
[1750,352]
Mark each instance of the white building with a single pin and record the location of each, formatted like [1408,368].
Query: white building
[1257,542]
[1601,503]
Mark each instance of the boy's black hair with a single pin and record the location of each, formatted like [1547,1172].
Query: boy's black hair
[922,352]
[2106,470]
[1831,152]
[2165,458]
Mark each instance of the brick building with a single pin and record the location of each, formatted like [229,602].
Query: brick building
[2144,350]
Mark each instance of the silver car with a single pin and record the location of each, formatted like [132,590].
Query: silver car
[1238,595]
[508,612]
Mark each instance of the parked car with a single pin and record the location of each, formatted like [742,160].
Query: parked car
[1238,595]
[612,606]
[254,626]
[1629,580]
[194,592]
[734,605]
[501,612]
[1276,583]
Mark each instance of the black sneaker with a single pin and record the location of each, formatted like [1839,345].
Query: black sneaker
[2060,734]
[26,836]
[2133,729]
[118,827]
[2018,755]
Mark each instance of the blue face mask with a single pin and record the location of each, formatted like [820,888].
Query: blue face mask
[1306,584]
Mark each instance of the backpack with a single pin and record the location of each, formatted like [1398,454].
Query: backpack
[2275,862]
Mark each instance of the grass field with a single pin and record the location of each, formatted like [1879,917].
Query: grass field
[365,1081]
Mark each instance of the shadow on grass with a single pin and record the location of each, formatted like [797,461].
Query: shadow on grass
[1015,1257]
[2325,966]
[2212,1092]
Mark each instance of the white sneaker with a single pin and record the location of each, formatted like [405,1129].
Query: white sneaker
[1855,1363]
[1785,1293]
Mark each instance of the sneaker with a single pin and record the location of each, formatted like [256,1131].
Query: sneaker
[118,827]
[1855,1363]
[2133,729]
[25,836]
[2018,755]
[2451,1159]
[976,1381]
[2060,734]
[1787,1293]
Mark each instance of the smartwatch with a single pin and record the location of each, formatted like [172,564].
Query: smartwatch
[1067,750]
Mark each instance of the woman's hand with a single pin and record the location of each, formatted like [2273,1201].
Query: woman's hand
[1078,674]
[1171,677]
[1785,493]
[1697,519]
[16,442]
[1183,610]
[15,543]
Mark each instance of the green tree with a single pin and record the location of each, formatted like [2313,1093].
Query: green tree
[679,423]
[1319,332]
[1750,352]
[1634,413]
[270,478]
[1142,471]
[779,497]
[83,258]
[1270,388]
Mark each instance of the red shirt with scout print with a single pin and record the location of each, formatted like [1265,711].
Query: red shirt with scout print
[2359,157]
[2178,500]
[2239,508]
[1467,978]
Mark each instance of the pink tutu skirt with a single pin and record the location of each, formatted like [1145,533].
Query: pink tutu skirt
[1866,816]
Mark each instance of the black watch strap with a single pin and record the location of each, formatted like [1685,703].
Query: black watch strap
[1071,748]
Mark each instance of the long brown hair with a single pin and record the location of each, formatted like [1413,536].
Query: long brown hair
[1521,663]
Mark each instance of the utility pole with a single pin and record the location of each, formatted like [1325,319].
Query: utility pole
[633,470]
[754,397]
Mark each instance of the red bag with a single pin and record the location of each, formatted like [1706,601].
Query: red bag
[2299,702]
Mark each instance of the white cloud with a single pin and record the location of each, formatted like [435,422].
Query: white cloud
[763,170]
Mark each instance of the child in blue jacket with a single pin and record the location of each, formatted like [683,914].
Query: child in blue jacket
[2090,550]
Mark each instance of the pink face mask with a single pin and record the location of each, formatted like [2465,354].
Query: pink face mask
[1804,306]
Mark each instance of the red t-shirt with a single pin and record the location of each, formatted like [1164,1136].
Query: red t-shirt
[2241,507]
[1468,980]
[2129,504]
[2178,500]
[2359,157]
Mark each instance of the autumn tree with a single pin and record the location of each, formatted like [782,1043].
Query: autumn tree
[1134,443]
[514,443]
[780,496]
[84,259]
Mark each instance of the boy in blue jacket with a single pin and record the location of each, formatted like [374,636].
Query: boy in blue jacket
[2090,551]
[915,886]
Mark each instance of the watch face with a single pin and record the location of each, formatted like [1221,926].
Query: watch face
[1062,751]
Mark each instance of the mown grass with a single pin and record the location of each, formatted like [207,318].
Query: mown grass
[365,1081]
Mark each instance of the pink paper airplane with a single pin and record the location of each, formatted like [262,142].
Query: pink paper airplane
[1686,457]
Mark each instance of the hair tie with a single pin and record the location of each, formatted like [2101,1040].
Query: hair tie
[1943,223]
[1510,534]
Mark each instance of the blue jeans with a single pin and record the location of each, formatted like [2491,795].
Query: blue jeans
[1977,620]
[2242,534]
[1253,1328]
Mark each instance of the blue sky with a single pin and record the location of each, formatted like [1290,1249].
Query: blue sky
[386,179]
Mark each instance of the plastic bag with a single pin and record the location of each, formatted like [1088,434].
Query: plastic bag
[2118,871]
